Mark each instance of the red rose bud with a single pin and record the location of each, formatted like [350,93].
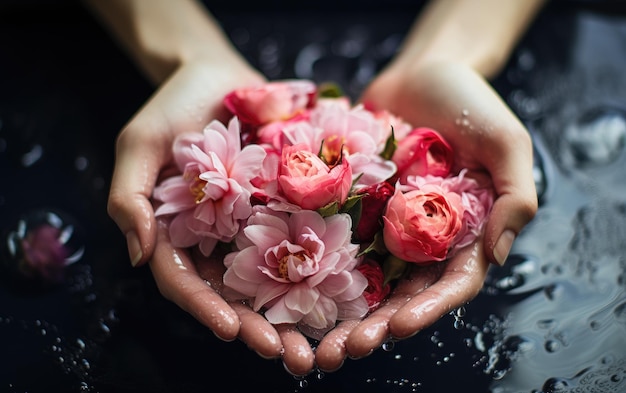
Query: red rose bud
[376,290]
[373,205]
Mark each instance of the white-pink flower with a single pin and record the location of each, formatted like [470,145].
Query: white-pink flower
[211,197]
[352,132]
[299,268]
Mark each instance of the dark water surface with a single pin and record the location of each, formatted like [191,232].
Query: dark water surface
[552,320]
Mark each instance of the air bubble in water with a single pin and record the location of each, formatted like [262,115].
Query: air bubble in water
[552,346]
[555,385]
[42,244]
[620,313]
[388,345]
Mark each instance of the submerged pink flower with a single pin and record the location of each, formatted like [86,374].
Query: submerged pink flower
[299,268]
[212,196]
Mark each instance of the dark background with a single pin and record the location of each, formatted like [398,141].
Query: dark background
[66,90]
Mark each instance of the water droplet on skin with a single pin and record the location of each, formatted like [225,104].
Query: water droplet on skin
[465,112]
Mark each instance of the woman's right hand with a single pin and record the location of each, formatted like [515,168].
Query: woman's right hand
[185,102]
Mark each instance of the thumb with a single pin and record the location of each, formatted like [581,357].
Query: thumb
[509,214]
[129,205]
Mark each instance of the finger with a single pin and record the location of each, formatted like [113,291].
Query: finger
[298,356]
[460,282]
[373,331]
[254,329]
[135,173]
[331,351]
[179,281]
[516,197]
[257,332]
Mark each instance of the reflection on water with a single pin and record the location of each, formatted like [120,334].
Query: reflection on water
[566,280]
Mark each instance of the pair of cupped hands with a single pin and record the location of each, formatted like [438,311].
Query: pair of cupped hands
[451,98]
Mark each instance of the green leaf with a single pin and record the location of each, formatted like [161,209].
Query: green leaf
[377,245]
[329,210]
[353,206]
[351,202]
[394,268]
[390,146]
[329,90]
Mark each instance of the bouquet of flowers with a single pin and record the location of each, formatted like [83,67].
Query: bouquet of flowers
[321,203]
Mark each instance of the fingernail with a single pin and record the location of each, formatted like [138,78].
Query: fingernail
[134,248]
[503,246]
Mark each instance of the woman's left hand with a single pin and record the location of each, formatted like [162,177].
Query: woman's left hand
[488,139]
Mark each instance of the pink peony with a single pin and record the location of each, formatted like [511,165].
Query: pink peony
[273,101]
[211,197]
[423,152]
[299,268]
[390,121]
[272,133]
[305,180]
[353,133]
[422,224]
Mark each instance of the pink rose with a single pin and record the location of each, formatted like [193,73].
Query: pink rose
[273,101]
[422,225]
[376,290]
[372,207]
[423,152]
[305,180]
[477,201]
